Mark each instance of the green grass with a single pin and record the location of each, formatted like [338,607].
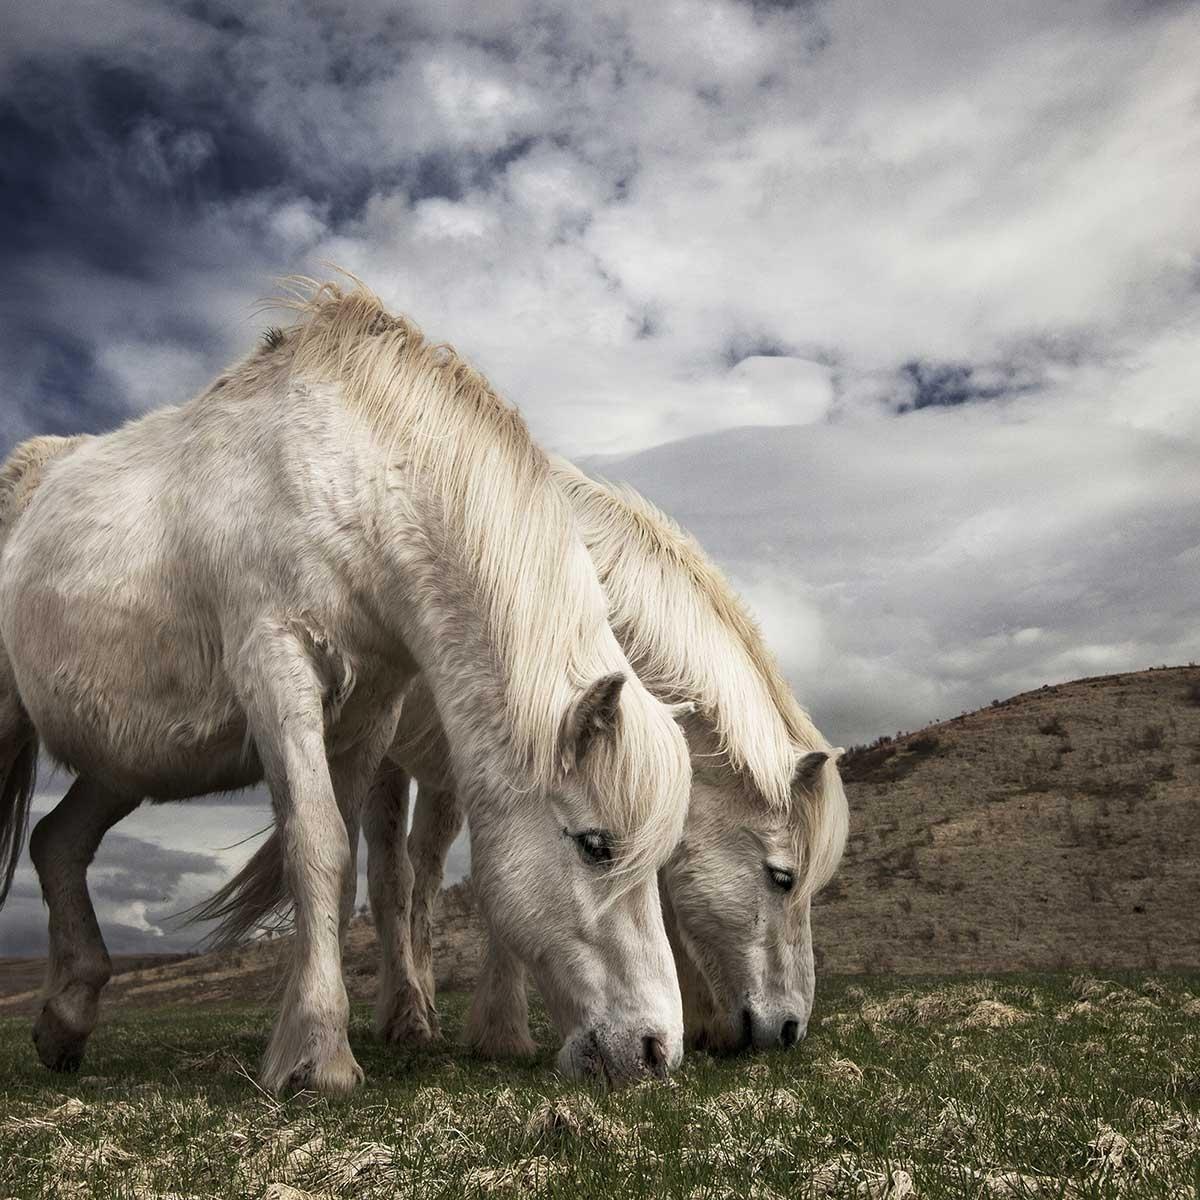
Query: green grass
[1019,1086]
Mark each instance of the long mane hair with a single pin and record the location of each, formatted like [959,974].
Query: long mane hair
[516,535]
[689,635]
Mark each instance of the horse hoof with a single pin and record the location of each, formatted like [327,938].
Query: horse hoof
[409,1029]
[338,1075]
[58,1045]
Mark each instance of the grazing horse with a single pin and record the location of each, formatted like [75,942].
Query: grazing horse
[765,829]
[240,588]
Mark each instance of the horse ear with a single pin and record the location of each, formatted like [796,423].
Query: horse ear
[684,708]
[594,714]
[808,768]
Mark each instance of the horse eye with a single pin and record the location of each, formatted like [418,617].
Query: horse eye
[783,879]
[595,845]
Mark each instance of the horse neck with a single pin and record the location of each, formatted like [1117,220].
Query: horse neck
[459,701]
[420,746]
[463,711]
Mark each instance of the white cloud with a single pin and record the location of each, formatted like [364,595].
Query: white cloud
[151,374]
[297,223]
[477,106]
[778,391]
[439,220]
[909,569]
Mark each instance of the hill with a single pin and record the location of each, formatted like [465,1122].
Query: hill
[19,975]
[1059,828]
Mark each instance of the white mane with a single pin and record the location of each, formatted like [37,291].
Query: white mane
[687,633]
[518,534]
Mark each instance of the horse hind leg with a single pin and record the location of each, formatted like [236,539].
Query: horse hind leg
[18,775]
[437,821]
[62,846]
[402,1013]
[349,894]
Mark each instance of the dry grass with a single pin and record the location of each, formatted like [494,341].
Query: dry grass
[1015,1087]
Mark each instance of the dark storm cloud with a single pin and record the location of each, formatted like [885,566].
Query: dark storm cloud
[64,388]
[946,385]
[107,162]
[108,168]
[23,928]
[153,169]
[130,868]
[130,877]
[24,887]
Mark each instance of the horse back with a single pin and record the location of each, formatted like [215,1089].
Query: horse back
[142,559]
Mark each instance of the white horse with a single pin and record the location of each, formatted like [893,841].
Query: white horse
[240,587]
[765,829]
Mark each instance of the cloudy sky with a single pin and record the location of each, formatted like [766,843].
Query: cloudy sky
[895,306]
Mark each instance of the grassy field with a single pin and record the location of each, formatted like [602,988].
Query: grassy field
[1022,1086]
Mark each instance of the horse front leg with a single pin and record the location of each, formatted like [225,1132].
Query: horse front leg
[63,844]
[401,1011]
[498,1023]
[282,695]
[437,821]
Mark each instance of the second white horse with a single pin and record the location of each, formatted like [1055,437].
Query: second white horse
[765,829]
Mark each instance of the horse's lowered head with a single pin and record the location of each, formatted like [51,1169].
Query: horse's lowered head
[737,895]
[568,878]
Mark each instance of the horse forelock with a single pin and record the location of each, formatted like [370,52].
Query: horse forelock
[517,534]
[640,782]
[690,635]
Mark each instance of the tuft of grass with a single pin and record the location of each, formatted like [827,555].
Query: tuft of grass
[1152,737]
[1023,1085]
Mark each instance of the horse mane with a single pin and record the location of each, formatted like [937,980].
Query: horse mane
[689,635]
[516,534]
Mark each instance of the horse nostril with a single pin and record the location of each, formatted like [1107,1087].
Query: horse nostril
[654,1054]
[789,1035]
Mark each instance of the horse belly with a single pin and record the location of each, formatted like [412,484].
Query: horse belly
[125,686]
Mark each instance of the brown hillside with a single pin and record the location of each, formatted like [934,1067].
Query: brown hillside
[24,974]
[1059,828]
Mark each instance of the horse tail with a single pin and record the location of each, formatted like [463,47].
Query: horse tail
[255,898]
[16,798]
